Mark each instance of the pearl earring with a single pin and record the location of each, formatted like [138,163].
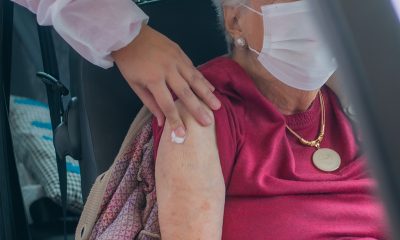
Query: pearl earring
[240,42]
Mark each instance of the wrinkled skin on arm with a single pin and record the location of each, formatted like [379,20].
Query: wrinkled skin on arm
[190,184]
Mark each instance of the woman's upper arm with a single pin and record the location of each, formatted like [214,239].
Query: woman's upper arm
[190,184]
[198,151]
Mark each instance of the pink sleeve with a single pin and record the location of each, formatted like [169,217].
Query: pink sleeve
[94,28]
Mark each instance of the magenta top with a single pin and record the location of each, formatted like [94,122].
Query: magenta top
[273,189]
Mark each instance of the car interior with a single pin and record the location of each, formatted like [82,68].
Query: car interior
[82,112]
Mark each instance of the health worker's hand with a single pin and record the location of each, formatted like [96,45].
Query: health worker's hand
[152,64]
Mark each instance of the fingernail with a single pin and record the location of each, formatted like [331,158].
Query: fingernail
[215,104]
[178,135]
[212,88]
[207,120]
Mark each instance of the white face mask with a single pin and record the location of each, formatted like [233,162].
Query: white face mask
[293,50]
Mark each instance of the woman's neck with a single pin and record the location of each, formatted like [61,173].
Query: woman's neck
[288,100]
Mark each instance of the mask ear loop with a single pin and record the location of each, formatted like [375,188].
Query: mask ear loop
[241,42]
[251,9]
[259,13]
[253,50]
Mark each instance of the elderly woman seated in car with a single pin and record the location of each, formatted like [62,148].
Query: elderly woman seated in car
[281,160]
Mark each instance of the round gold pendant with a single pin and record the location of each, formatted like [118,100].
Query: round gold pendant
[326,160]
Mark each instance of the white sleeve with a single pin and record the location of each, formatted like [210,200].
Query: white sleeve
[94,28]
[396,4]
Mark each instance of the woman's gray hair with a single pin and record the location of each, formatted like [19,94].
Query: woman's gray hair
[219,4]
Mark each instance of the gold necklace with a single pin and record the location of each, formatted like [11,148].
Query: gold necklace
[324,159]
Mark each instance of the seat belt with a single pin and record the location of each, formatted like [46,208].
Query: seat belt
[13,221]
[55,91]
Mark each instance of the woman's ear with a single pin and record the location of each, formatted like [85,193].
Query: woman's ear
[232,18]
